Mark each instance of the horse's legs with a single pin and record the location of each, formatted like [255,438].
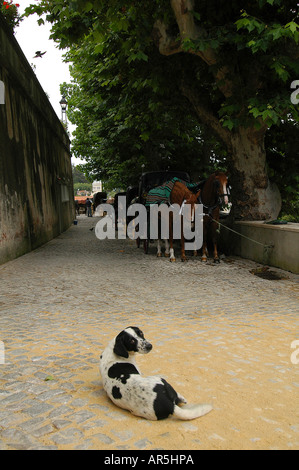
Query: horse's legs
[159,251]
[214,239]
[183,254]
[216,257]
[171,251]
[166,254]
[160,243]
[205,253]
[159,248]
[205,236]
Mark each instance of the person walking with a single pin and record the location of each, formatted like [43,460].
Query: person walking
[88,207]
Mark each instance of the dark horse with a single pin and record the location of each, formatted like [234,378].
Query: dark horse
[212,196]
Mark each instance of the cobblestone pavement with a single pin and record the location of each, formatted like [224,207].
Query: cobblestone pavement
[220,334]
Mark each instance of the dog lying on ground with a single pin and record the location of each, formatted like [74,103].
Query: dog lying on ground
[149,397]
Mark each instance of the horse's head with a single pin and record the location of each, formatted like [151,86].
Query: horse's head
[220,183]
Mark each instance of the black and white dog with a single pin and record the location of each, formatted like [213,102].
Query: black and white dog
[149,397]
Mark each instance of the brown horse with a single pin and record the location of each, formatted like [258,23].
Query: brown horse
[212,196]
[180,195]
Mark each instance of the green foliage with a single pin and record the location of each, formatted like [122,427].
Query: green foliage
[78,175]
[128,123]
[282,151]
[126,98]
[10,12]
[82,187]
[259,44]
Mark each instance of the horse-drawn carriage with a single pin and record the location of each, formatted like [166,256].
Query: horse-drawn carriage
[212,193]
[80,204]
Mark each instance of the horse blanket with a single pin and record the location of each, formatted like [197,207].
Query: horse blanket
[161,194]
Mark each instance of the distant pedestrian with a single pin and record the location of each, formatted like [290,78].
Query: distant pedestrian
[77,208]
[88,207]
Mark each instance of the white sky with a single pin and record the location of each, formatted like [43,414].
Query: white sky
[50,70]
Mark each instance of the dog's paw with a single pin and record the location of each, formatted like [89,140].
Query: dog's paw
[181,400]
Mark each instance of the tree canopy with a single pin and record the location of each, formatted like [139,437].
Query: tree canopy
[174,83]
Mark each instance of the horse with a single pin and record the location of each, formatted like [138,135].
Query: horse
[179,194]
[212,195]
[98,199]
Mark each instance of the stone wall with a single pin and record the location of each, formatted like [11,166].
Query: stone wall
[277,245]
[36,189]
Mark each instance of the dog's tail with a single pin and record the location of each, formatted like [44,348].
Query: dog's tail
[187,412]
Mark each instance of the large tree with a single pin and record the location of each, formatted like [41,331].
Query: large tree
[131,119]
[234,66]
[250,57]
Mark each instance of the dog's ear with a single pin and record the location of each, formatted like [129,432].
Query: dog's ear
[119,346]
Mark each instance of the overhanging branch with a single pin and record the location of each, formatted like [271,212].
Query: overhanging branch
[167,44]
[188,29]
[205,114]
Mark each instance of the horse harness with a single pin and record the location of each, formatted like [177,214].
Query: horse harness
[161,194]
[209,209]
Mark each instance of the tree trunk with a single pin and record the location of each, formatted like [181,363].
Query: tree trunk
[254,196]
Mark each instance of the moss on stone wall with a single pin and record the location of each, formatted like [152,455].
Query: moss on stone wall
[36,195]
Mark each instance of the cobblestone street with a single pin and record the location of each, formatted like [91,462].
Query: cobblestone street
[220,335]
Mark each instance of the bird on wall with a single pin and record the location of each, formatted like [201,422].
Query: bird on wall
[39,54]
